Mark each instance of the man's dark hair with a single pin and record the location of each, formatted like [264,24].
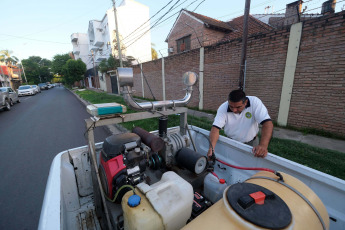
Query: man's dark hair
[237,95]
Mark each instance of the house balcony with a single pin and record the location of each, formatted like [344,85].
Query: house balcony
[100,58]
[76,50]
[74,37]
[98,43]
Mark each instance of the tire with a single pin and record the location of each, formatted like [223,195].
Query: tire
[18,101]
[11,102]
[8,106]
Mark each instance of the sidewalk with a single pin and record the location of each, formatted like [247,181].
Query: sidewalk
[314,140]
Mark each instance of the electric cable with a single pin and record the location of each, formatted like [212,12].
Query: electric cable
[147,82]
[157,23]
[246,168]
[92,126]
[118,191]
[147,20]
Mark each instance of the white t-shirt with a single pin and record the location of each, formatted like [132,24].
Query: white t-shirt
[242,127]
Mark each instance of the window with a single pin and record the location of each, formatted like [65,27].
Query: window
[183,44]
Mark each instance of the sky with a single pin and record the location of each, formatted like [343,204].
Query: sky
[44,27]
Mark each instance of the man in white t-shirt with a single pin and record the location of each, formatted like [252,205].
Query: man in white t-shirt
[240,117]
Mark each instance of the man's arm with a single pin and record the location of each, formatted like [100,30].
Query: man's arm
[214,135]
[266,134]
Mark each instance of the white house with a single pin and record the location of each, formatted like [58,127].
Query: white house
[100,40]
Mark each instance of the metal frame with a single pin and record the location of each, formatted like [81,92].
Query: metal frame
[94,122]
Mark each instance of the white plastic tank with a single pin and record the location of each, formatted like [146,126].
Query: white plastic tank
[214,187]
[171,200]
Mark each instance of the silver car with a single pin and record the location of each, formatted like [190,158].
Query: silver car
[12,95]
[26,90]
[36,88]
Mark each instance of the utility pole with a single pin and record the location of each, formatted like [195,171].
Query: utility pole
[23,71]
[117,35]
[94,69]
[244,45]
[40,70]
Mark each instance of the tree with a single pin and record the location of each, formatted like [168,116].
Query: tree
[73,71]
[37,69]
[5,56]
[154,53]
[58,62]
[112,63]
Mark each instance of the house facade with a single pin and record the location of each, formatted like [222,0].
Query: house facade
[10,76]
[100,41]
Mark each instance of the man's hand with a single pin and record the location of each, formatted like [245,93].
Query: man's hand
[266,134]
[260,151]
[209,154]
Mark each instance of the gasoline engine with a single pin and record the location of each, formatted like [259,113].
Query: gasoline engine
[126,158]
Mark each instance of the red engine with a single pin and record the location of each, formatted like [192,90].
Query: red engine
[111,171]
[121,164]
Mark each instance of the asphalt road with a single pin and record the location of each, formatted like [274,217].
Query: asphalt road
[31,134]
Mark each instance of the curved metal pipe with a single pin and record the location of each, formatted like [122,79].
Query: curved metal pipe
[127,95]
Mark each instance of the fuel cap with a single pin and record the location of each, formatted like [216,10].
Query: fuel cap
[134,201]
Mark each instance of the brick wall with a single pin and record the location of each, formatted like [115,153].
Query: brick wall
[318,96]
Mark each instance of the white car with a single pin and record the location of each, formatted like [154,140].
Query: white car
[26,90]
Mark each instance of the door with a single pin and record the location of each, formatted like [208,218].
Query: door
[13,95]
[114,85]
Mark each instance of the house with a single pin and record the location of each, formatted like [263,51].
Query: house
[4,76]
[100,41]
[192,30]
[10,76]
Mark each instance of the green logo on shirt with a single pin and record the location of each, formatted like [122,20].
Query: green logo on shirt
[248,115]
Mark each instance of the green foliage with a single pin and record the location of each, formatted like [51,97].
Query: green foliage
[37,69]
[58,62]
[112,63]
[73,71]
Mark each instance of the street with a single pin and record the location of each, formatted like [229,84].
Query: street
[31,134]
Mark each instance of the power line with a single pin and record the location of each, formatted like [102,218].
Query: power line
[148,20]
[157,24]
[53,27]
[171,8]
[36,39]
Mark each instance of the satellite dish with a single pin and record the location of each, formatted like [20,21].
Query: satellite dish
[190,78]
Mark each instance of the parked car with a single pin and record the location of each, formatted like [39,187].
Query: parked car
[43,86]
[37,89]
[13,96]
[50,86]
[26,90]
[4,99]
